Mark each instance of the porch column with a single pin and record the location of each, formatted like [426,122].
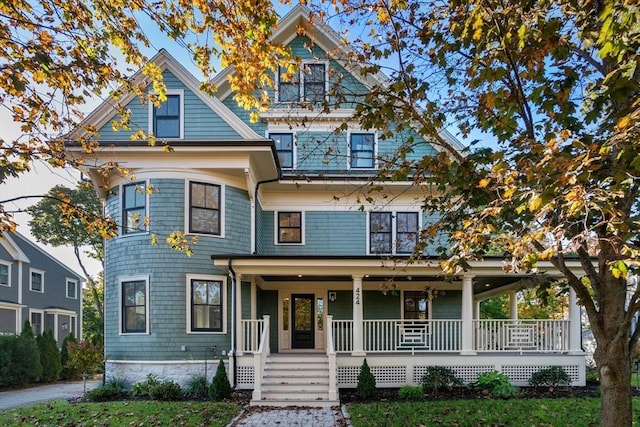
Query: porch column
[240,330]
[513,306]
[467,316]
[575,324]
[358,335]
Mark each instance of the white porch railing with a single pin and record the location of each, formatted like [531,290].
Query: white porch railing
[521,335]
[260,359]
[386,336]
[331,355]
[251,331]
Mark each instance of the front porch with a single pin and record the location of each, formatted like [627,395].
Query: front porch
[337,311]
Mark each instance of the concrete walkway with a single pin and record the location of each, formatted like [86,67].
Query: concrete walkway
[291,416]
[44,393]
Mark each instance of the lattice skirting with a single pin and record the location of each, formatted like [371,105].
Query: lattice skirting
[245,376]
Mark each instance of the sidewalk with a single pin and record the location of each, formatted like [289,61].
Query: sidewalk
[44,393]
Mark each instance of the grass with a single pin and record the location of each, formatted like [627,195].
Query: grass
[565,412]
[129,413]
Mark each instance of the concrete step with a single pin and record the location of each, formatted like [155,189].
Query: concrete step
[302,403]
[298,395]
[296,387]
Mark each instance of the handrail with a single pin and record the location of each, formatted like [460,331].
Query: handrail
[331,355]
[260,359]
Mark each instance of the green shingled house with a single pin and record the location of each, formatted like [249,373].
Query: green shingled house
[285,283]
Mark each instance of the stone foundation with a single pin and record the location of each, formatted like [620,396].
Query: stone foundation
[179,371]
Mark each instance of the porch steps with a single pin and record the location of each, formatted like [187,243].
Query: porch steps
[296,379]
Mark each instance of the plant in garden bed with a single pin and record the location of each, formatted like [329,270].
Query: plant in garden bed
[197,386]
[366,382]
[495,383]
[438,378]
[409,392]
[111,390]
[551,377]
[220,387]
[143,388]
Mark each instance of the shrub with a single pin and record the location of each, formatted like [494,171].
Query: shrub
[439,377]
[366,387]
[25,361]
[553,376]
[592,375]
[69,372]
[408,392]
[112,390]
[220,387]
[197,386]
[143,388]
[84,357]
[496,383]
[49,357]
[166,390]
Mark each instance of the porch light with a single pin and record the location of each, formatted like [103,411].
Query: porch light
[299,275]
[333,296]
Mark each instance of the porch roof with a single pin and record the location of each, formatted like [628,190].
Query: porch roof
[489,275]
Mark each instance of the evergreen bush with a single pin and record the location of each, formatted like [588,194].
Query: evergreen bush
[553,376]
[165,391]
[25,363]
[49,357]
[411,393]
[220,387]
[366,387]
[7,345]
[438,378]
[69,371]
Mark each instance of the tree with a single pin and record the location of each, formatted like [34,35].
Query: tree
[49,356]
[556,85]
[58,55]
[68,217]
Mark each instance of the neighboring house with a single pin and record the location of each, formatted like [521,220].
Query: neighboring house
[36,287]
[285,283]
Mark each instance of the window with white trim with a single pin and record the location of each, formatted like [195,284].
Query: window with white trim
[362,150]
[308,84]
[167,119]
[393,232]
[290,227]
[72,289]
[5,274]
[206,304]
[134,305]
[284,148]
[134,208]
[35,318]
[36,282]
[204,208]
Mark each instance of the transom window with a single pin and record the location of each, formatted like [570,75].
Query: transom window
[284,147]
[134,208]
[4,275]
[206,305]
[416,305]
[134,306]
[362,150]
[383,226]
[204,208]
[289,227]
[72,287]
[308,84]
[37,281]
[166,118]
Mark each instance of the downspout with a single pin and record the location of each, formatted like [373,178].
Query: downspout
[232,274]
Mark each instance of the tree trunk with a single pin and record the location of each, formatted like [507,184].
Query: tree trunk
[614,366]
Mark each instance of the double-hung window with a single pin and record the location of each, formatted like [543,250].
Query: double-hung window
[134,306]
[393,233]
[204,208]
[4,274]
[362,148]
[134,208]
[206,305]
[284,148]
[72,289]
[36,322]
[37,281]
[289,227]
[308,84]
[166,118]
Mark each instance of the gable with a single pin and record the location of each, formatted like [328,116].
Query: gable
[206,117]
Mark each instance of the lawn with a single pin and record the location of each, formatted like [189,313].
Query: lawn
[564,412]
[129,413]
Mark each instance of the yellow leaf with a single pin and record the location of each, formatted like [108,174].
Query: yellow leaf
[484,182]
[535,203]
[623,122]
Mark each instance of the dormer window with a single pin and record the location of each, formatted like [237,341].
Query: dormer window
[167,119]
[308,84]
